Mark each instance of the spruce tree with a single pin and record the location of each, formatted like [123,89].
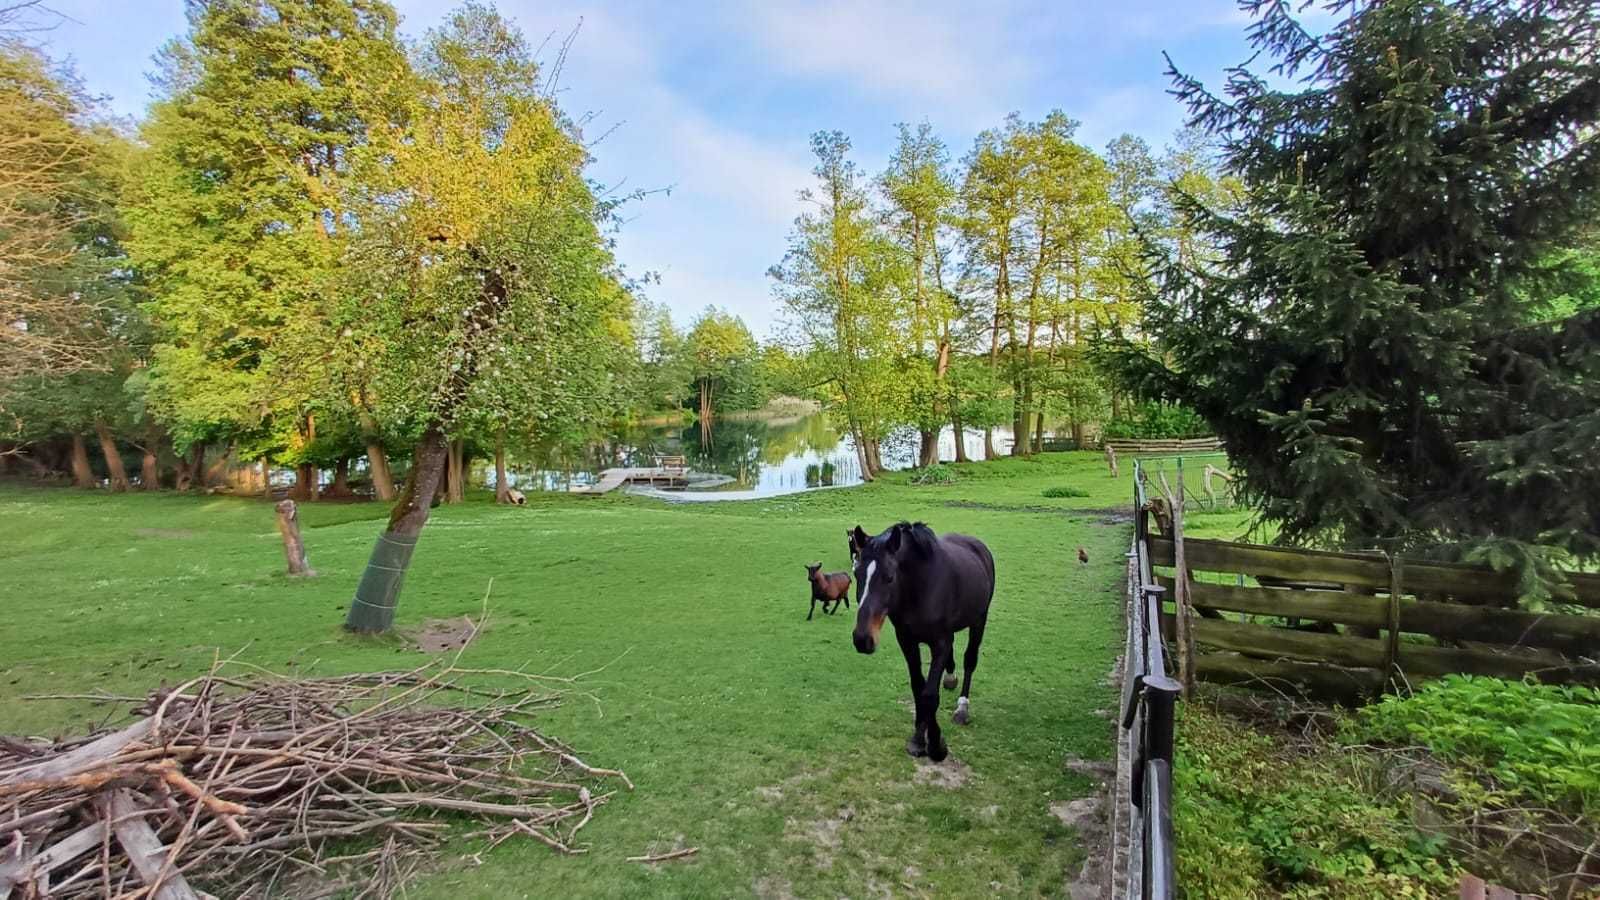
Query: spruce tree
[1371,340]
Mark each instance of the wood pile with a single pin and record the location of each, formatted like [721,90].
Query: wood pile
[302,787]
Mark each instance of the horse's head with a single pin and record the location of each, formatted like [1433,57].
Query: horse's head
[855,549]
[879,564]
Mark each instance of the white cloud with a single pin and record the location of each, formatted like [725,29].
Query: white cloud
[960,59]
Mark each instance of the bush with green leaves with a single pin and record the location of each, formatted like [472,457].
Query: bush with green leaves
[1064,490]
[1256,815]
[1537,741]
[934,474]
[1156,421]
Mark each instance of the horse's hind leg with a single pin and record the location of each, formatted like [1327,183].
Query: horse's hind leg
[974,640]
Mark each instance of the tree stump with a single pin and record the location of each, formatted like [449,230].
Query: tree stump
[294,549]
[1111,460]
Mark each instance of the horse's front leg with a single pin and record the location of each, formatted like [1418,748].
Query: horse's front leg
[928,699]
[813,608]
[917,745]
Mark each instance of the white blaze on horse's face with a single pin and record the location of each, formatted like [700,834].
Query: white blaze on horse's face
[866,582]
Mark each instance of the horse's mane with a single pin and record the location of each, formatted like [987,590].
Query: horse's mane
[919,537]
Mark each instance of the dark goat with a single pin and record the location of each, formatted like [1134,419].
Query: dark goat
[832,588]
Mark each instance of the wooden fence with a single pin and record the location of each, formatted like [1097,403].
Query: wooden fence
[1142,806]
[1126,446]
[1403,619]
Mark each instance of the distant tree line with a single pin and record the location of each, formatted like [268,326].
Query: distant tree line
[968,295]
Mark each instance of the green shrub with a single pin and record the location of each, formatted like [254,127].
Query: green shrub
[939,473]
[1539,741]
[1064,490]
[1153,421]
[1257,816]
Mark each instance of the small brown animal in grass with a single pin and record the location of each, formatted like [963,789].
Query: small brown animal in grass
[832,588]
[1083,556]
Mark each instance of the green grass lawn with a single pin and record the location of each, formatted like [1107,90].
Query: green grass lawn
[761,738]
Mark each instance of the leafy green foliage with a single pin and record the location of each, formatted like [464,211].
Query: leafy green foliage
[934,474]
[1064,490]
[1539,741]
[1154,419]
[1362,336]
[1256,817]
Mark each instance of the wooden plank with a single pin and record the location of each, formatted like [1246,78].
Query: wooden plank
[1472,887]
[145,851]
[1357,569]
[1365,653]
[1333,682]
[83,758]
[1299,565]
[1515,628]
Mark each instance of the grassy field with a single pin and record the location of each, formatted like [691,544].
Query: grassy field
[757,736]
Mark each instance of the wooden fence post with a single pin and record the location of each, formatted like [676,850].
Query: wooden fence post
[1183,633]
[1111,459]
[294,549]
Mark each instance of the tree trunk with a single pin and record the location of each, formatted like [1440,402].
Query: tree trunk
[502,487]
[372,609]
[378,465]
[1038,435]
[150,470]
[960,434]
[294,549]
[113,457]
[216,471]
[862,459]
[341,478]
[929,454]
[266,478]
[189,467]
[82,475]
[988,443]
[1021,398]
[455,490]
[306,480]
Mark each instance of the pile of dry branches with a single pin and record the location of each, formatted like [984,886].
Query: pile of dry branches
[300,786]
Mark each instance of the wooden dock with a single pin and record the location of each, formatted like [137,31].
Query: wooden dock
[669,471]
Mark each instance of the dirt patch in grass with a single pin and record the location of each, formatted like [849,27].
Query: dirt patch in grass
[439,635]
[822,834]
[950,774]
[1087,816]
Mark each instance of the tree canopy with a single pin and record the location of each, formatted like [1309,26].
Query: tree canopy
[1368,338]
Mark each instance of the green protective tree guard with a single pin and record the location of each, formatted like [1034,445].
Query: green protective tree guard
[372,609]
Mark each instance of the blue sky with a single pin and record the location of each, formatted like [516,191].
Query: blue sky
[717,100]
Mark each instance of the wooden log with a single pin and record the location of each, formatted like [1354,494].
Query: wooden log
[294,549]
[1315,679]
[1455,621]
[1364,653]
[83,758]
[1357,569]
[145,851]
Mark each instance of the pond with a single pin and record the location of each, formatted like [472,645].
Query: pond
[740,458]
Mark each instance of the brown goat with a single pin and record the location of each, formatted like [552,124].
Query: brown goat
[832,588]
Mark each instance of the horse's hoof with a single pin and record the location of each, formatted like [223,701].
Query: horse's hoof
[939,753]
[962,717]
[950,681]
[917,747]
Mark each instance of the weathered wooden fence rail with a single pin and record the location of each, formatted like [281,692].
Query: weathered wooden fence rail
[1126,446]
[1403,619]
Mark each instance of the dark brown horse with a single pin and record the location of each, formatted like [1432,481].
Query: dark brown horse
[930,587]
[832,588]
